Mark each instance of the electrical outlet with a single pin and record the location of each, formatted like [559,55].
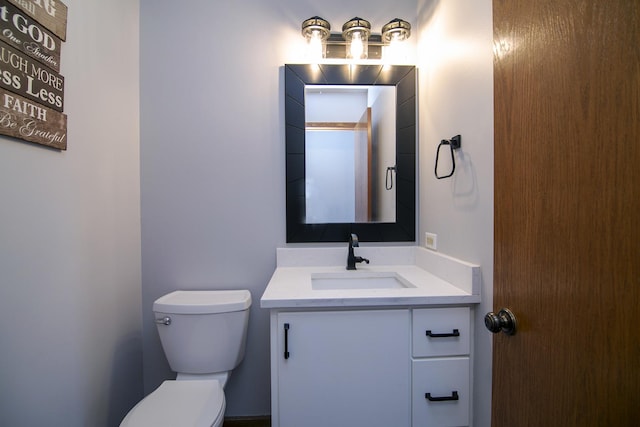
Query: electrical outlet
[431,241]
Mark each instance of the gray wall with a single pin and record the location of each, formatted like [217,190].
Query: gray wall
[456,97]
[212,150]
[70,333]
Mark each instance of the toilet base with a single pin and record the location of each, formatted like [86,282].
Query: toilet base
[221,377]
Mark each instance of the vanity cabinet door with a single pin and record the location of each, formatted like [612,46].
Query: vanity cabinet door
[343,368]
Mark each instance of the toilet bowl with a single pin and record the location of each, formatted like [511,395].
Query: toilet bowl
[203,334]
[198,403]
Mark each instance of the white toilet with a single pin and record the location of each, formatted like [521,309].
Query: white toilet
[203,334]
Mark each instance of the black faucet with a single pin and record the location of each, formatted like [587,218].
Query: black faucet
[351,258]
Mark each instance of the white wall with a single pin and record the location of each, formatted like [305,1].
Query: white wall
[213,163]
[335,106]
[456,97]
[70,239]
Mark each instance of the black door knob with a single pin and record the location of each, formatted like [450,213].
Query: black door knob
[504,321]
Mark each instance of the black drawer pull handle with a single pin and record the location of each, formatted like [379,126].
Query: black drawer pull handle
[455,333]
[286,340]
[454,396]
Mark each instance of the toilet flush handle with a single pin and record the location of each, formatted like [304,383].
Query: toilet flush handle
[164,321]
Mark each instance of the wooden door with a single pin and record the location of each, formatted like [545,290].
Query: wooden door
[567,240]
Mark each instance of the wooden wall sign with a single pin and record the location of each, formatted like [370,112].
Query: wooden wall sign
[24,33]
[29,121]
[31,90]
[29,78]
[50,13]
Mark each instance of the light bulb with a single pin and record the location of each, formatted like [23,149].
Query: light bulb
[356,33]
[394,34]
[316,31]
[316,47]
[396,51]
[357,46]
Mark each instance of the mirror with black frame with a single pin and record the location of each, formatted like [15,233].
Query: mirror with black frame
[350,170]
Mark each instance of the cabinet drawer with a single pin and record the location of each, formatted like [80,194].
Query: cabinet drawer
[441,331]
[447,382]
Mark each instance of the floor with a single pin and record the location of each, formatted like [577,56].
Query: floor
[247,422]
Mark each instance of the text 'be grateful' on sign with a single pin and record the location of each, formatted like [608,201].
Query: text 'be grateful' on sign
[29,121]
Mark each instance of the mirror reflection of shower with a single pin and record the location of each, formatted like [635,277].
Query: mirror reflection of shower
[350,141]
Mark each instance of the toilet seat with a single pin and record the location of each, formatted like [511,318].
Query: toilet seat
[197,403]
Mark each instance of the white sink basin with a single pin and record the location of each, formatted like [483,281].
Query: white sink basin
[358,280]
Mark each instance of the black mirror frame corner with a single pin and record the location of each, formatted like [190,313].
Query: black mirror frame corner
[403,77]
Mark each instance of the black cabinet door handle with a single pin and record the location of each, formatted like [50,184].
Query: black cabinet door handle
[454,396]
[286,340]
[455,333]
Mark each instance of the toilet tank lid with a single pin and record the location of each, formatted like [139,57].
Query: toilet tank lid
[203,302]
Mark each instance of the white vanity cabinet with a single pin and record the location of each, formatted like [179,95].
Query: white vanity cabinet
[371,367]
[341,368]
[348,349]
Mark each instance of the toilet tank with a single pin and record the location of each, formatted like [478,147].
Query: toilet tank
[206,331]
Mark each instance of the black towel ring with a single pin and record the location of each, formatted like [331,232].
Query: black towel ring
[453,143]
[388,180]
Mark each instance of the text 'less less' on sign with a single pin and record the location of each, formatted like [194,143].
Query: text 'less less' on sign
[31,79]
[20,31]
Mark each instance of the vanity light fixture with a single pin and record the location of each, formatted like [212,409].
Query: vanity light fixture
[356,32]
[316,31]
[396,30]
[394,34]
[356,41]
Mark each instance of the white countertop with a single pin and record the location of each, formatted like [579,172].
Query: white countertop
[436,279]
